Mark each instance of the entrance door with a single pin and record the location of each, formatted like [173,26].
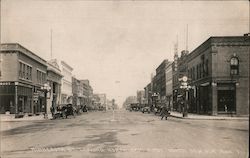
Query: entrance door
[226,101]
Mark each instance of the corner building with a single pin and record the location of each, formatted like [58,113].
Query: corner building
[219,75]
[22,75]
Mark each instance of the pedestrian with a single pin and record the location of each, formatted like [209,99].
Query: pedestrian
[52,110]
[164,112]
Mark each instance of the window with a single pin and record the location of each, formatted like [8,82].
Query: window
[206,68]
[41,77]
[25,71]
[234,66]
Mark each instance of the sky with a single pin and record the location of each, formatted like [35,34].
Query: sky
[117,44]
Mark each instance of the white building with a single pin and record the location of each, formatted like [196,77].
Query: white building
[54,78]
[66,92]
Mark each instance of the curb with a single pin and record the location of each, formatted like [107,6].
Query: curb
[218,118]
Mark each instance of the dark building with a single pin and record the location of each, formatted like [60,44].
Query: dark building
[218,72]
[22,77]
[147,94]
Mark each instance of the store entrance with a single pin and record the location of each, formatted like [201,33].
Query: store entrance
[226,101]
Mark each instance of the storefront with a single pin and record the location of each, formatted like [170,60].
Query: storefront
[226,95]
[15,97]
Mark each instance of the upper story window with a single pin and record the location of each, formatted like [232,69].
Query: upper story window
[25,71]
[234,66]
[41,77]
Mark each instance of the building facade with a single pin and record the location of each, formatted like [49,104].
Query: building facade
[147,95]
[66,89]
[160,82]
[23,75]
[77,90]
[179,69]
[54,78]
[219,72]
[140,97]
[87,93]
[169,86]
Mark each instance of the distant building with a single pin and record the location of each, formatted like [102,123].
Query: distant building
[160,81]
[77,90]
[100,101]
[66,93]
[129,100]
[87,93]
[109,104]
[178,71]
[140,97]
[169,85]
[147,95]
[22,76]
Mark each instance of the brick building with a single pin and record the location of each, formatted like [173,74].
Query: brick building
[218,72]
[160,81]
[169,85]
[221,75]
[22,77]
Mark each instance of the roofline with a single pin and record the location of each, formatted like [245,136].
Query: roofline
[22,49]
[211,40]
[64,63]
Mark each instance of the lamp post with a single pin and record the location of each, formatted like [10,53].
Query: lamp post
[46,89]
[185,87]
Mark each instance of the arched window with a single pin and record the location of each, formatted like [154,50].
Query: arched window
[234,66]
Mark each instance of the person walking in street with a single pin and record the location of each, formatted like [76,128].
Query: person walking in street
[164,112]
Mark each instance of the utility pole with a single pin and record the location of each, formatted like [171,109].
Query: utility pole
[51,42]
[187,38]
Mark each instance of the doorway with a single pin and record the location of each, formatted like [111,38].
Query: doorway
[226,101]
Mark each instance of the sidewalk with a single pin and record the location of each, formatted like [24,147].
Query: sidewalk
[11,117]
[208,117]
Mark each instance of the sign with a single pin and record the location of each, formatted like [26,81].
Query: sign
[35,96]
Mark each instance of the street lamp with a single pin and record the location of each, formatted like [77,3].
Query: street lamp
[185,86]
[46,89]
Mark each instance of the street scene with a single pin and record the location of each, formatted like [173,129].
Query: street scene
[124,78]
[130,134]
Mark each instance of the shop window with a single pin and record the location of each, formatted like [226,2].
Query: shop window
[234,66]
